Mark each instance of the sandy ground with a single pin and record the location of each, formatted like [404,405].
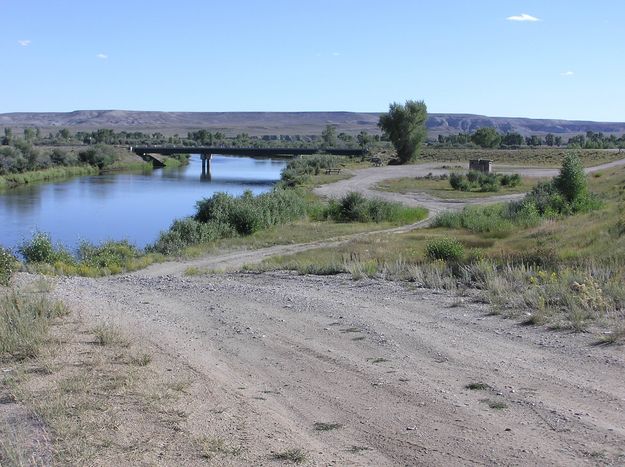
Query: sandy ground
[275,353]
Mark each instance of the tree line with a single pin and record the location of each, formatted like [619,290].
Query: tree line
[489,137]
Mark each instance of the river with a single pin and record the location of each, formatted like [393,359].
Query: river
[132,206]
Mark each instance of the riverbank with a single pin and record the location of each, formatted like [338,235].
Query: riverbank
[54,173]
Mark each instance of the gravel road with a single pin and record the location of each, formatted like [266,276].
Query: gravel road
[275,353]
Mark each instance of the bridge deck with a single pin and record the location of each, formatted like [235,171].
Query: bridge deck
[140,150]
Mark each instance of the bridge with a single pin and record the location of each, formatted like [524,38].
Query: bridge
[148,152]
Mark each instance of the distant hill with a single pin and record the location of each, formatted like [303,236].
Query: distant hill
[304,123]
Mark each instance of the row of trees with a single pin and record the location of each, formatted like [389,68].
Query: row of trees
[489,137]
[21,156]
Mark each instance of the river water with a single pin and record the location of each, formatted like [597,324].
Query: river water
[133,206]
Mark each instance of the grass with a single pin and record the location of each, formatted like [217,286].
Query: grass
[25,319]
[535,157]
[45,175]
[211,447]
[97,405]
[478,386]
[497,405]
[441,188]
[295,455]
[324,426]
[109,335]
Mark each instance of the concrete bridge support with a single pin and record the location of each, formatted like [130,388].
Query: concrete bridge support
[206,166]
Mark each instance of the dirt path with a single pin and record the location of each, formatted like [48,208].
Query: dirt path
[364,181]
[276,353]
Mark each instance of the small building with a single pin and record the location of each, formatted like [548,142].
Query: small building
[481,165]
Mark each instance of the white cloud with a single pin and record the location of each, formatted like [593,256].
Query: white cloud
[523,17]
[567,73]
[24,42]
[102,56]
[336,54]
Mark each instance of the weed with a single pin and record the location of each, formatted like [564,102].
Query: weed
[497,405]
[8,264]
[445,248]
[210,447]
[143,359]
[295,455]
[323,426]
[109,335]
[192,271]
[478,386]
[377,360]
[24,323]
[356,449]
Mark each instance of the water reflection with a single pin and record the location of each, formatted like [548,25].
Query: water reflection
[135,206]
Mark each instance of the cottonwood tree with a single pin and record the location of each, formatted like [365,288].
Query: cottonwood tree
[404,125]
[486,137]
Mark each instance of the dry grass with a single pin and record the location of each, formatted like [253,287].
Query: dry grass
[101,404]
[536,157]
[296,455]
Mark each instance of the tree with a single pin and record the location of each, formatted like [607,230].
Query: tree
[329,136]
[571,182]
[64,133]
[486,137]
[405,127]
[550,139]
[8,136]
[512,139]
[364,140]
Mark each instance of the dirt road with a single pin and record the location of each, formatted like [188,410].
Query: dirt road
[274,354]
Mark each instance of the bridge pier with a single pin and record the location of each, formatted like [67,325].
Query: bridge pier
[206,166]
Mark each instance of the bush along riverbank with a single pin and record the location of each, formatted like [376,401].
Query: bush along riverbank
[21,163]
[220,217]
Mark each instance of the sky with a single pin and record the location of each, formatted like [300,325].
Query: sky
[513,58]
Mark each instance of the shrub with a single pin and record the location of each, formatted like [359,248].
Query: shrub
[100,155]
[354,207]
[110,254]
[455,181]
[247,213]
[445,248]
[571,182]
[7,266]
[40,250]
[299,170]
[186,232]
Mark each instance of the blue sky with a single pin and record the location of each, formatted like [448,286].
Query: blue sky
[548,58]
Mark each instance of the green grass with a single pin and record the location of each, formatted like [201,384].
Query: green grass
[442,189]
[45,175]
